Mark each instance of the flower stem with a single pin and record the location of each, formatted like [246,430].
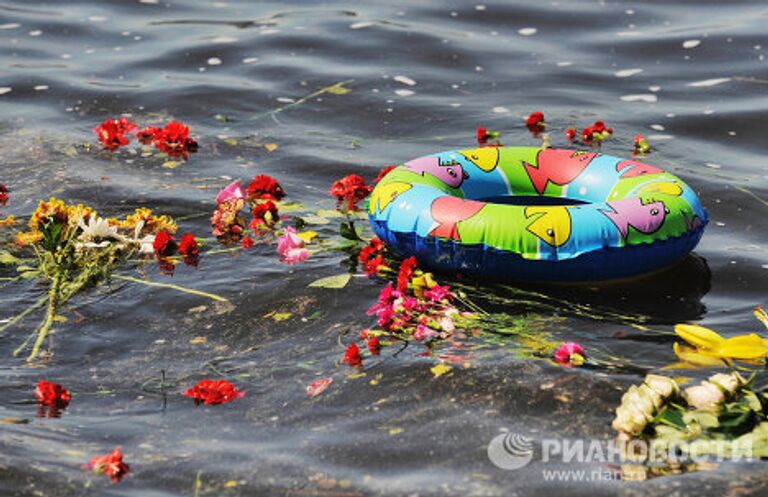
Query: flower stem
[50,316]
[174,287]
[20,316]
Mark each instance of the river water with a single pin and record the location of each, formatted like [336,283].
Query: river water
[690,76]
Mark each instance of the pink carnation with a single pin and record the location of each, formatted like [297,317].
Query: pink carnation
[565,354]
[233,191]
[291,248]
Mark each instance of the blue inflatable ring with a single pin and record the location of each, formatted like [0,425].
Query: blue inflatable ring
[526,213]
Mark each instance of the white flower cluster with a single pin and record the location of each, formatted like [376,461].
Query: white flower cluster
[640,404]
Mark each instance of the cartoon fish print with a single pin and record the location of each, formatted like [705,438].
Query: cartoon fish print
[485,158]
[450,173]
[448,211]
[632,212]
[384,194]
[557,166]
[632,168]
[551,224]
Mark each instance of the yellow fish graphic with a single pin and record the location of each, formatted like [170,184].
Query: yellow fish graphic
[384,194]
[551,224]
[486,158]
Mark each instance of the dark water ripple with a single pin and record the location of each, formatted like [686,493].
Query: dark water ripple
[690,77]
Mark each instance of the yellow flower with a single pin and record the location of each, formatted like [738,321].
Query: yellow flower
[79,211]
[8,221]
[151,223]
[422,282]
[24,238]
[53,208]
[709,348]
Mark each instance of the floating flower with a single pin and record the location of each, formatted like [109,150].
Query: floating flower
[247,242]
[231,192]
[597,132]
[639,405]
[264,214]
[211,392]
[350,189]
[319,386]
[97,230]
[407,268]
[3,195]
[571,133]
[146,222]
[147,134]
[174,140]
[374,346]
[535,122]
[641,145]
[227,221]
[352,356]
[290,246]
[264,187]
[483,134]
[52,394]
[709,348]
[383,172]
[371,256]
[708,395]
[8,221]
[164,243]
[188,245]
[111,133]
[570,354]
[111,465]
[438,294]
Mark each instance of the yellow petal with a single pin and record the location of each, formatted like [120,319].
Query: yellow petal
[307,236]
[440,369]
[698,336]
[743,347]
[697,358]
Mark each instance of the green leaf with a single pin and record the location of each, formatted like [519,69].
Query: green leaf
[337,281]
[7,258]
[672,417]
[347,230]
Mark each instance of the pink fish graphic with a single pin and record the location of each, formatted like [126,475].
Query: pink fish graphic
[451,173]
[631,212]
[632,168]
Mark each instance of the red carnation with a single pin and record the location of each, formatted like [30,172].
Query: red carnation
[352,356]
[247,242]
[147,134]
[174,140]
[570,133]
[483,135]
[535,122]
[164,243]
[111,465]
[188,245]
[264,187]
[211,392]
[406,272]
[350,189]
[374,346]
[52,397]
[371,256]
[641,145]
[383,173]
[3,195]
[597,131]
[111,132]
[265,213]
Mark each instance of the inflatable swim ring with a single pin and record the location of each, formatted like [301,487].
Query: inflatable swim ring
[527,213]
